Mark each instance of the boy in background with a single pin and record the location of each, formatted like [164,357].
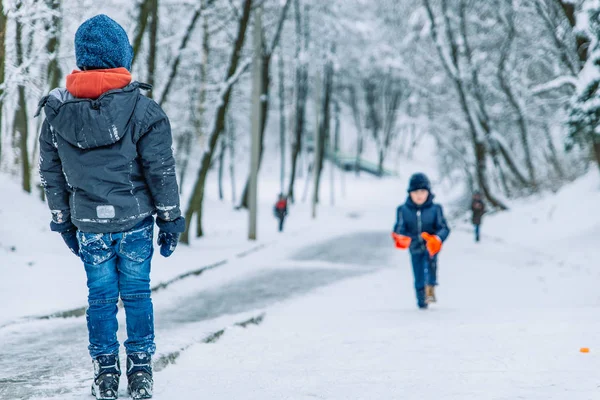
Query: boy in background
[421,228]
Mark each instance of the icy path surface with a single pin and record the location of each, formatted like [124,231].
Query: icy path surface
[48,358]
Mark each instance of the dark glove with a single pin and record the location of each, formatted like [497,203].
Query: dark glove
[70,238]
[167,242]
[68,231]
[168,235]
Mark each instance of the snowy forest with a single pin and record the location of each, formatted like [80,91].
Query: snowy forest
[508,89]
[436,164]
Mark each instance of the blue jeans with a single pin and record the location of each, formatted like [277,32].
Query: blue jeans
[477,231]
[425,272]
[118,265]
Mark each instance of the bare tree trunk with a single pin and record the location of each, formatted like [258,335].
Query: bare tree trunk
[553,153]
[2,63]
[199,120]
[582,41]
[196,201]
[324,126]
[54,73]
[392,96]
[597,149]
[302,41]
[265,99]
[153,15]
[184,147]
[510,95]
[21,129]
[358,124]
[142,20]
[221,166]
[265,105]
[232,140]
[281,123]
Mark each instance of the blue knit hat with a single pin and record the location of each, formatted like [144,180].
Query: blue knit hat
[419,181]
[101,43]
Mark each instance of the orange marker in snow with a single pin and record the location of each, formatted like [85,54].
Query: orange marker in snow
[584,350]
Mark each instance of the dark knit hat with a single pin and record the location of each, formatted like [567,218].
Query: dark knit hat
[101,43]
[419,181]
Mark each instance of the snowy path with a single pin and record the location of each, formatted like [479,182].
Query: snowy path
[509,325]
[46,358]
[341,323]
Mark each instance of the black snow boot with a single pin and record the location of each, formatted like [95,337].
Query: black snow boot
[139,375]
[107,371]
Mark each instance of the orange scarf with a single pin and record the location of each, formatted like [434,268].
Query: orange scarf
[92,84]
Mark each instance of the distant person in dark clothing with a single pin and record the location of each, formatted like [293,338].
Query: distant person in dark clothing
[478,209]
[281,210]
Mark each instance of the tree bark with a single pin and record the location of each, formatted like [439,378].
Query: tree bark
[54,73]
[196,201]
[231,140]
[512,100]
[324,126]
[582,41]
[265,90]
[20,125]
[153,39]
[301,92]
[281,123]
[184,147]
[358,124]
[597,149]
[553,153]
[221,167]
[142,20]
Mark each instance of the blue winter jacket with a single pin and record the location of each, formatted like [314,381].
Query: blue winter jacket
[412,220]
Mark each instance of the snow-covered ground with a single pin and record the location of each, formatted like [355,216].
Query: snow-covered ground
[513,313]
[328,307]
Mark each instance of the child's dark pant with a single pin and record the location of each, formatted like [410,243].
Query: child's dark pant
[425,272]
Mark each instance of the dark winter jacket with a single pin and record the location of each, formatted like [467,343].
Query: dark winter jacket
[280,208]
[107,164]
[412,220]
[478,208]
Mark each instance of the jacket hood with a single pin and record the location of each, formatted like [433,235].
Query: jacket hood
[88,123]
[93,84]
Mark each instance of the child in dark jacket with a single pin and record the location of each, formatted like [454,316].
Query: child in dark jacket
[421,228]
[107,167]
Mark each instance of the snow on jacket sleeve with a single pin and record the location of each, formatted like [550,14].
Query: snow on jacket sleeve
[156,153]
[52,177]
[442,229]
[400,227]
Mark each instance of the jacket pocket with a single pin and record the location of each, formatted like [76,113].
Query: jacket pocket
[136,245]
[93,250]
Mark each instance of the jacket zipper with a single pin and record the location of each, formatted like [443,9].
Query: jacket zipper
[419,227]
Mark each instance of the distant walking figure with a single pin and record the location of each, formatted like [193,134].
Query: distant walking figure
[478,209]
[280,210]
